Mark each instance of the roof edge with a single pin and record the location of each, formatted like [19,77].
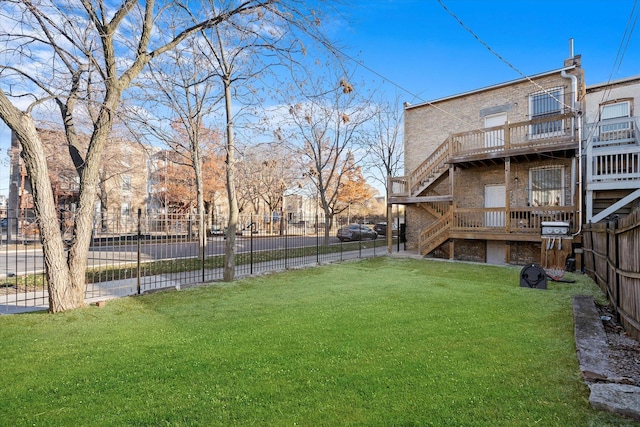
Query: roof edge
[496,86]
[613,82]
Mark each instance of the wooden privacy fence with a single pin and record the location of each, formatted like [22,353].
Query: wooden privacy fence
[612,259]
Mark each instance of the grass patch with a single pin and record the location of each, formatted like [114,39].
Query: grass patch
[376,342]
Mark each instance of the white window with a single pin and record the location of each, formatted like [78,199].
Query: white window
[616,113]
[494,138]
[126,183]
[546,186]
[125,209]
[126,156]
[544,104]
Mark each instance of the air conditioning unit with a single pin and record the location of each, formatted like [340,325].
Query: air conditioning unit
[555,229]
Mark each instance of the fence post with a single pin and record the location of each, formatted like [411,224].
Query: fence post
[202,241]
[286,238]
[317,242]
[139,251]
[616,275]
[251,246]
[398,224]
[360,240]
[593,254]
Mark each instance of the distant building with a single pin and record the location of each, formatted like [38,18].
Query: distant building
[4,203]
[123,186]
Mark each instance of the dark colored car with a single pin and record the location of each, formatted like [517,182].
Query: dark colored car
[356,232]
[381,229]
[4,222]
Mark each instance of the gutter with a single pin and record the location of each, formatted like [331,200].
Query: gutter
[574,99]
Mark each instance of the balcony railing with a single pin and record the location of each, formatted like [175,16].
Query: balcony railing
[529,135]
[534,135]
[525,220]
[613,151]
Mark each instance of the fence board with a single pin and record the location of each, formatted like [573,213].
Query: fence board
[612,261]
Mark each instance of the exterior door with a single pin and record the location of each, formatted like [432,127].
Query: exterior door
[494,138]
[496,253]
[494,197]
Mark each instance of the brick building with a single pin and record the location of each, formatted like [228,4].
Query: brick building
[484,169]
[123,186]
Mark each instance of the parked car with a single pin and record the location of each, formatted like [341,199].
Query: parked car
[4,223]
[356,232]
[381,229]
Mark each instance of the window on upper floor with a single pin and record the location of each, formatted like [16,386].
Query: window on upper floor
[616,113]
[546,186]
[543,104]
[615,110]
[126,156]
[125,209]
[126,183]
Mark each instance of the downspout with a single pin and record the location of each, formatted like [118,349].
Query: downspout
[578,117]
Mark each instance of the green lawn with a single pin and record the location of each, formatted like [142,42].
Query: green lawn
[377,342]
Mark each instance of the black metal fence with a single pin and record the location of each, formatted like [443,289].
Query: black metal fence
[149,252]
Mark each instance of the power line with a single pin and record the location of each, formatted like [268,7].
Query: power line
[621,51]
[628,32]
[486,45]
[366,67]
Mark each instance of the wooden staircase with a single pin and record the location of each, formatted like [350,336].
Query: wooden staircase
[436,234]
[436,209]
[426,174]
[431,169]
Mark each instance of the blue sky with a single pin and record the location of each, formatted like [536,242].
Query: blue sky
[418,46]
[422,48]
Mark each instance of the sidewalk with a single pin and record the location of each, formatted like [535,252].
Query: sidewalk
[38,301]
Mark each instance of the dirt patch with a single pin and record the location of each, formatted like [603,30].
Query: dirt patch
[624,351]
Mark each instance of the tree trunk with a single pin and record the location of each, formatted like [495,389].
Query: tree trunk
[197,167]
[328,217]
[229,249]
[65,293]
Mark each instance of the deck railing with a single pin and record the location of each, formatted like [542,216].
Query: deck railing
[531,134]
[535,135]
[613,151]
[515,220]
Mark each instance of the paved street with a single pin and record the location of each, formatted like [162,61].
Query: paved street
[19,301]
[28,259]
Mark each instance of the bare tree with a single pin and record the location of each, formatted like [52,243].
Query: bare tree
[267,172]
[384,145]
[82,55]
[242,52]
[325,129]
[385,148]
[180,84]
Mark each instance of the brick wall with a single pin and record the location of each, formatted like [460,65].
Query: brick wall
[470,250]
[429,125]
[524,252]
